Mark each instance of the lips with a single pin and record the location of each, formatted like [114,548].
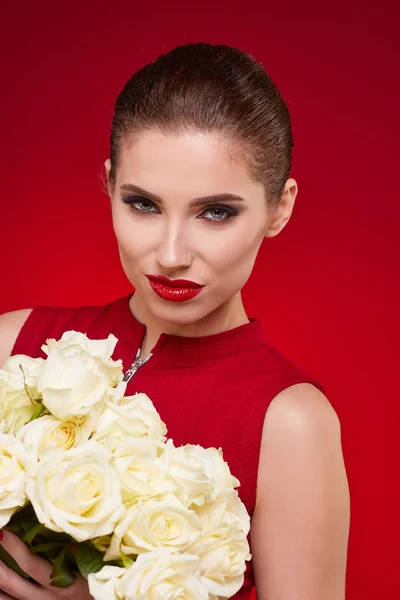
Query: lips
[174,290]
[174,283]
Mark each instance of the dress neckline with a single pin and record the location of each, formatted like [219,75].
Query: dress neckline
[180,348]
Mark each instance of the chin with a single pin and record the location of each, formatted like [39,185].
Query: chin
[180,313]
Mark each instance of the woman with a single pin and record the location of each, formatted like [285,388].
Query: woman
[198,176]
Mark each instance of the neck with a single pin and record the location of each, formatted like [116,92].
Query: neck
[225,317]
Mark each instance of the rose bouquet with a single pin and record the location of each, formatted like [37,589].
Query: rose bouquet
[89,480]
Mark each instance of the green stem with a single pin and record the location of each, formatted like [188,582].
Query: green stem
[37,412]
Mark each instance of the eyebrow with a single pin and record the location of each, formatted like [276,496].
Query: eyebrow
[130,187]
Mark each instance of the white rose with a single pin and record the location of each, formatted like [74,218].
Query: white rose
[20,363]
[18,394]
[68,386]
[161,575]
[16,466]
[77,491]
[102,585]
[96,352]
[152,523]
[136,460]
[130,416]
[225,510]
[201,472]
[223,553]
[223,547]
[77,374]
[48,430]
[223,557]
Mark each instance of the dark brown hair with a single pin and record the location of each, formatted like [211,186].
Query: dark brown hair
[214,89]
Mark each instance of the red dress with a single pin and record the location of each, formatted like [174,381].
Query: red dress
[212,390]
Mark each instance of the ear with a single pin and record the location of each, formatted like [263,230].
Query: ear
[106,178]
[107,166]
[283,211]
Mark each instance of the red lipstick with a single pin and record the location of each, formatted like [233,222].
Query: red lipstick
[175,290]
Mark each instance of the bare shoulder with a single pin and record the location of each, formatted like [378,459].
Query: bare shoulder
[10,325]
[302,512]
[300,423]
[300,408]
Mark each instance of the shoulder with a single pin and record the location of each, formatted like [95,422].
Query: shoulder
[300,422]
[11,324]
[301,435]
[302,512]
[301,408]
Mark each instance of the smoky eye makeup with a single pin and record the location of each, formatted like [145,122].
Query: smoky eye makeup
[132,200]
[228,211]
[224,213]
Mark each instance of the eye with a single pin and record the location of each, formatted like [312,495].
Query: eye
[142,205]
[220,213]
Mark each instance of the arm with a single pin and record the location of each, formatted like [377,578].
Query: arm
[300,526]
[10,326]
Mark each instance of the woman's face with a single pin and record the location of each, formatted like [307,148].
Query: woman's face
[167,222]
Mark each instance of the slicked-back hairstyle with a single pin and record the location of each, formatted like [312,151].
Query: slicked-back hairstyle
[211,89]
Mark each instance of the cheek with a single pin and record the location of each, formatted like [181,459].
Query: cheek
[131,237]
[234,256]
[232,266]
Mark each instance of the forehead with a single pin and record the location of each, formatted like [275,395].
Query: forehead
[189,164]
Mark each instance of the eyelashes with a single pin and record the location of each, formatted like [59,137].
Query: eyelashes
[228,212]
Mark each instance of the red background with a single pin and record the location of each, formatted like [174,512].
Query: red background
[331,277]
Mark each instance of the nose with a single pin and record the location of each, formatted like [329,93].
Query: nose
[173,253]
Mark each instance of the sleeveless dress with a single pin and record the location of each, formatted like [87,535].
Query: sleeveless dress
[212,390]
